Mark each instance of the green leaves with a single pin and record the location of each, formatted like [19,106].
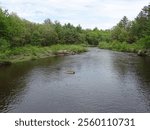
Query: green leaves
[3,44]
[18,32]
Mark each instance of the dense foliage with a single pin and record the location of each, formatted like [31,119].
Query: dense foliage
[131,32]
[15,31]
[18,32]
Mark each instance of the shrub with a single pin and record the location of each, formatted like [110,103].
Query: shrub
[145,42]
[3,44]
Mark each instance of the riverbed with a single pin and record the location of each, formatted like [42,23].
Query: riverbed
[104,81]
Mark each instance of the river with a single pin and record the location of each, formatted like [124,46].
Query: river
[104,81]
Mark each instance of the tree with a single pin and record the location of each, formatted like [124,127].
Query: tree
[92,37]
[3,23]
[121,31]
[124,23]
[48,21]
[141,25]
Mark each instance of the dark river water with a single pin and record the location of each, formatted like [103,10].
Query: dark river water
[104,81]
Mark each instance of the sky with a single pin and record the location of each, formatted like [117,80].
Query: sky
[103,14]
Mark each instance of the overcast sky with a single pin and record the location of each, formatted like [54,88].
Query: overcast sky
[103,14]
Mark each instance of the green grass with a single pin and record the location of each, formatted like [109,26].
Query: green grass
[123,47]
[29,52]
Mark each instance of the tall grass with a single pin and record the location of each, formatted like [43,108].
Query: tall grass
[34,52]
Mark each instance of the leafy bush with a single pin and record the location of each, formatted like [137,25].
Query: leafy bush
[3,44]
[145,42]
[122,46]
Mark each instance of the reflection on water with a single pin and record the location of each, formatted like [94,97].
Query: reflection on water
[105,81]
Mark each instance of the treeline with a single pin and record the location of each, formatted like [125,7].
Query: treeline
[132,31]
[17,32]
[135,34]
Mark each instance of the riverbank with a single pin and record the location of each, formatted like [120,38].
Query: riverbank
[124,47]
[29,52]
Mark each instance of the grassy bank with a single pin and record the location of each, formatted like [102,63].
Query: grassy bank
[123,47]
[29,52]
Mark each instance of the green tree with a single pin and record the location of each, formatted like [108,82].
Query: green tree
[121,31]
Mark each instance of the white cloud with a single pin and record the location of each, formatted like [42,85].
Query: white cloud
[89,13]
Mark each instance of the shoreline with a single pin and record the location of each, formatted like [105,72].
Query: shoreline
[28,53]
[35,52]
[138,49]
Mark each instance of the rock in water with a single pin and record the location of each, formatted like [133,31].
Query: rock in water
[70,72]
[62,53]
[141,53]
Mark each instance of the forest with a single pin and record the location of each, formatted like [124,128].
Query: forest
[20,38]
